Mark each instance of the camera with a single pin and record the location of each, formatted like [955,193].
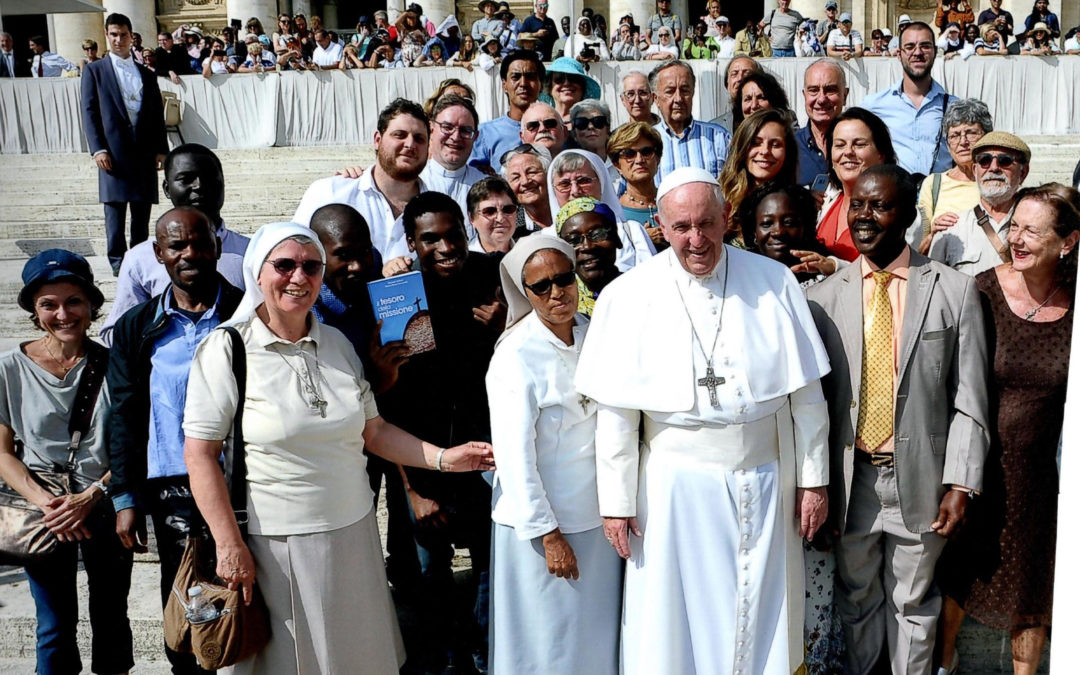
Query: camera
[588,53]
[219,52]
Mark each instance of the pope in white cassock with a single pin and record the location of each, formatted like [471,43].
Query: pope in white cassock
[715,349]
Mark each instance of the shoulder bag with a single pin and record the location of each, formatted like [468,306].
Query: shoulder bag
[24,537]
[238,631]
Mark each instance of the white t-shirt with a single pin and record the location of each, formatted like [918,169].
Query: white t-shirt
[845,43]
[328,56]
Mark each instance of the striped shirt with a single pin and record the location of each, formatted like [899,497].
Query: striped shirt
[702,144]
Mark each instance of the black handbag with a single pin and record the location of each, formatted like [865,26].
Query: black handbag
[24,537]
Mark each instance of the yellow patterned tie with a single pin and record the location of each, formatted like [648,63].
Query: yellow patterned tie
[876,390]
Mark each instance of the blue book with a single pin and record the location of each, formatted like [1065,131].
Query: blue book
[401,304]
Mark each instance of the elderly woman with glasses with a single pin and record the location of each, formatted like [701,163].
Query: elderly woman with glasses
[580,173]
[590,128]
[309,415]
[944,196]
[493,213]
[525,170]
[555,585]
[636,149]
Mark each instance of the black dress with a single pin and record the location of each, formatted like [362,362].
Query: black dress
[1001,567]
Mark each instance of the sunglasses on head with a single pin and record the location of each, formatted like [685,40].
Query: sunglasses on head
[630,154]
[533,126]
[583,123]
[506,209]
[543,287]
[985,159]
[286,266]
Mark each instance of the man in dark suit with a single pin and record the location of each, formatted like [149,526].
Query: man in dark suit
[171,59]
[10,65]
[908,423]
[125,129]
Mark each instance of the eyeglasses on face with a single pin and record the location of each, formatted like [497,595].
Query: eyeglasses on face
[286,266]
[632,94]
[1004,161]
[911,47]
[532,126]
[583,123]
[582,183]
[543,287]
[597,234]
[449,129]
[630,154]
[970,135]
[491,211]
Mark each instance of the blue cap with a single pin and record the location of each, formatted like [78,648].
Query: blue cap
[56,264]
[831,4]
[845,18]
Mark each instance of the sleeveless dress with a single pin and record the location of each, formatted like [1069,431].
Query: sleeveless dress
[1001,568]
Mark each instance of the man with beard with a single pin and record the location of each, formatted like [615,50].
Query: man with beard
[193,177]
[908,423]
[977,241]
[382,191]
[454,124]
[687,142]
[152,349]
[825,92]
[913,109]
[441,393]
[344,303]
[541,126]
[522,73]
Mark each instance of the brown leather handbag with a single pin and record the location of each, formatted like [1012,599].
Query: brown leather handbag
[240,630]
[24,538]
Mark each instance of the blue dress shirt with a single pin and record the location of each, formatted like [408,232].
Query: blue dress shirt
[914,132]
[811,158]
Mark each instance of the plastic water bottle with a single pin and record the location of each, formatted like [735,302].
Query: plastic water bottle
[199,609]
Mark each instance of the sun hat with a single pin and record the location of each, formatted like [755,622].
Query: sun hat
[571,66]
[53,265]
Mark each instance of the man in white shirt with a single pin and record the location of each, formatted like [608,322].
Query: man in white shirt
[723,39]
[380,194]
[46,63]
[327,54]
[734,466]
[7,56]
[977,242]
[454,123]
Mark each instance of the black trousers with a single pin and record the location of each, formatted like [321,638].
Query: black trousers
[114,228]
[172,508]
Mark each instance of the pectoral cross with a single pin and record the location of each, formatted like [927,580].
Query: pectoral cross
[583,401]
[711,382]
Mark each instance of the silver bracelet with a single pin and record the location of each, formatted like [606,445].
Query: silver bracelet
[438,460]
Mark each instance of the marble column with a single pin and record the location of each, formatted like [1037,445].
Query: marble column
[265,10]
[437,10]
[641,11]
[331,18]
[67,32]
[142,14]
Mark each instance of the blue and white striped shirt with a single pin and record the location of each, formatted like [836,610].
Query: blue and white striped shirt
[702,144]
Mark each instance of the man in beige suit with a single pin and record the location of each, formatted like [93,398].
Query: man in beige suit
[908,427]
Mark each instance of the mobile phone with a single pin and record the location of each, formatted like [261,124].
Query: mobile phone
[821,181]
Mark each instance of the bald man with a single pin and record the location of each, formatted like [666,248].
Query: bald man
[152,348]
[825,93]
[542,125]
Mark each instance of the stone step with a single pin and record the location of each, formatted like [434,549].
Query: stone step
[83,193]
[95,227]
[93,212]
[271,153]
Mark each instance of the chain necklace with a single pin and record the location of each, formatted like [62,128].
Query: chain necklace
[710,381]
[66,369]
[1030,314]
[310,383]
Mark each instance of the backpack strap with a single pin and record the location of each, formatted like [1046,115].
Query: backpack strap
[236,469]
[90,381]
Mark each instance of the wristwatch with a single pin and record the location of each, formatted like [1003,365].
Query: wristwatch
[101,486]
[971,494]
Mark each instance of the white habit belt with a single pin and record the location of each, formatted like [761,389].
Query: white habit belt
[729,447]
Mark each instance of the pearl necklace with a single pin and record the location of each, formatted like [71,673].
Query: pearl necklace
[642,202]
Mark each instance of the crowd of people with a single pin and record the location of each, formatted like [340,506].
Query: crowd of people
[403,39]
[756,397]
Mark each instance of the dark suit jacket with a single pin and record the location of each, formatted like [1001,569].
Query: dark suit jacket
[133,149]
[176,60]
[22,67]
[941,420]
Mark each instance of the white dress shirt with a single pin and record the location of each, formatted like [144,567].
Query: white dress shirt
[327,57]
[131,85]
[387,231]
[542,433]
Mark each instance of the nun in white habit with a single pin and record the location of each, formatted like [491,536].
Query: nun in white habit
[637,247]
[556,583]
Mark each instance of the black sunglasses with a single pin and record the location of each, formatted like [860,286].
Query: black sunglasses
[583,123]
[543,287]
[629,154]
[985,159]
[597,234]
[549,123]
[286,266]
[562,78]
[506,209]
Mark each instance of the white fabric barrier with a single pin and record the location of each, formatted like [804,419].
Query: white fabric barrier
[1026,95]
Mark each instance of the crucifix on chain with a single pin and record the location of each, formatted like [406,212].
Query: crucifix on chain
[711,382]
[583,401]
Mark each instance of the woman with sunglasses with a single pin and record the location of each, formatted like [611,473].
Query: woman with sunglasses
[309,414]
[636,148]
[591,228]
[580,173]
[664,49]
[556,585]
[590,127]
[567,84]
[493,212]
